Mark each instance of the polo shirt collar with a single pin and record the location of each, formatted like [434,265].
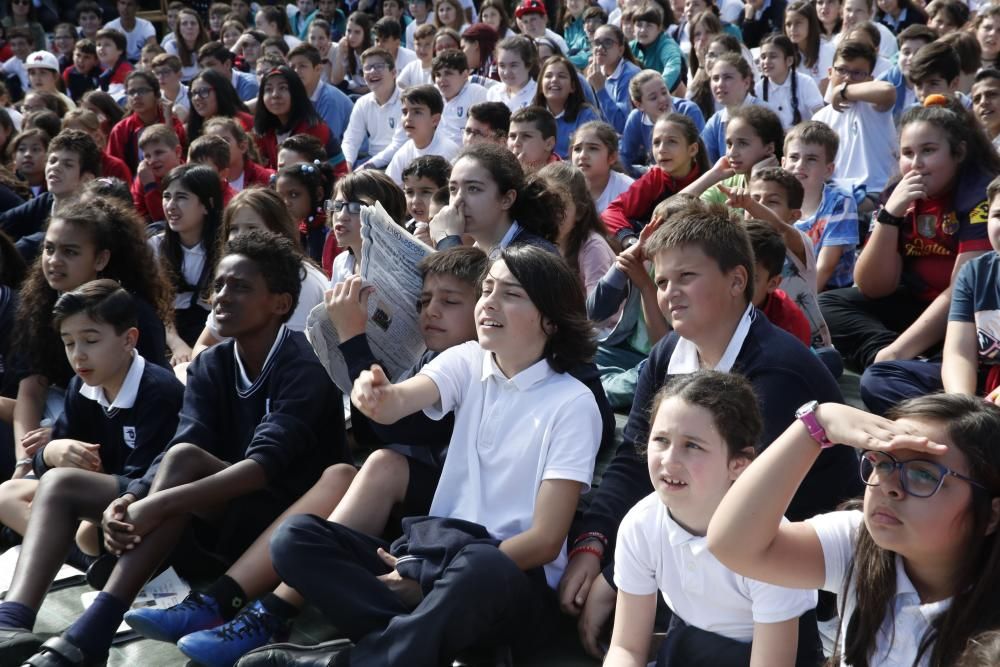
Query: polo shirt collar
[907,595]
[618,70]
[679,536]
[128,392]
[530,376]
[243,383]
[392,98]
[685,358]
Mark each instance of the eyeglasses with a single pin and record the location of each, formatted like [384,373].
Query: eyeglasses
[852,74]
[337,205]
[604,43]
[374,67]
[139,92]
[478,134]
[162,72]
[918,477]
[201,93]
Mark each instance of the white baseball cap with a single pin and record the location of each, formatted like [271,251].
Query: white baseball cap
[42,60]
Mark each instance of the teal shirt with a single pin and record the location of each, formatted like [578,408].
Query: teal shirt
[663,55]
[577,43]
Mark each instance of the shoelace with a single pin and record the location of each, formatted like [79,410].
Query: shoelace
[194,600]
[251,622]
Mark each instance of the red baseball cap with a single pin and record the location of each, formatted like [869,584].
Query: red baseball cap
[530,7]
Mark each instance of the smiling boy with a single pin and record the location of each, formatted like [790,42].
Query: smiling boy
[377,114]
[422,107]
[450,70]
[986,102]
[111,45]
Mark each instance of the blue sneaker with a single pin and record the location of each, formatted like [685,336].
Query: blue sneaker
[223,646]
[196,612]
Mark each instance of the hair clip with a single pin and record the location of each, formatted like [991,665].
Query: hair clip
[936,100]
[307,168]
[316,162]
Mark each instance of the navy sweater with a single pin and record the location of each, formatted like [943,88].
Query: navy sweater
[290,420]
[784,375]
[129,438]
[28,217]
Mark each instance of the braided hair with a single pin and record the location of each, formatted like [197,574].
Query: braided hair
[786,46]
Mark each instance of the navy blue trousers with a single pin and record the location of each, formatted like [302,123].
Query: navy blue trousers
[887,383]
[481,598]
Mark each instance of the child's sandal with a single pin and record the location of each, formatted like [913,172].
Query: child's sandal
[60,652]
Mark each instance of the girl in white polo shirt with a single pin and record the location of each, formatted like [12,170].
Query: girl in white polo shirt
[702,432]
[916,568]
[517,63]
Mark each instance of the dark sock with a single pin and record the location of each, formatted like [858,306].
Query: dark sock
[279,607]
[93,632]
[16,615]
[228,595]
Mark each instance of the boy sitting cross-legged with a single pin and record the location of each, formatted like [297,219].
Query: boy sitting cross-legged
[261,419]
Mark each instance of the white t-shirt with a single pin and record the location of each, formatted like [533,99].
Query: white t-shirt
[456,111]
[414,74]
[907,621]
[440,145]
[314,286]
[192,264]
[779,97]
[869,151]
[617,184]
[518,100]
[136,39]
[653,552]
[510,435]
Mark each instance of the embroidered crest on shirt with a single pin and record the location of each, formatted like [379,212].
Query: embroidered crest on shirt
[128,435]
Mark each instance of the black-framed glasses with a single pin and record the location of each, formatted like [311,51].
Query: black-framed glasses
[139,92]
[202,93]
[852,74]
[604,43]
[918,477]
[337,205]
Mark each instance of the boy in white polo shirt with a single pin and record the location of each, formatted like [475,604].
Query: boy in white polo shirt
[860,112]
[422,107]
[388,34]
[451,77]
[376,115]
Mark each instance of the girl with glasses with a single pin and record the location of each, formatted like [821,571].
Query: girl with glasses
[915,566]
[22,14]
[213,96]
[143,94]
[611,68]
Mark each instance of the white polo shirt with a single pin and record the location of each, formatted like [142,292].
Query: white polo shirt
[376,122]
[907,621]
[509,436]
[869,151]
[779,97]
[821,69]
[518,100]
[404,57]
[655,553]
[414,74]
[617,184]
[440,145]
[456,111]
[192,264]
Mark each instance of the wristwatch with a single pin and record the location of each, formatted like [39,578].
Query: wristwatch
[884,217]
[807,415]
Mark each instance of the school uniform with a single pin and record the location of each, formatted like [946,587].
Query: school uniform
[515,235]
[334,107]
[374,124]
[246,85]
[190,307]
[784,375]
[132,429]
[491,477]
[714,133]
[27,218]
[112,79]
[636,142]
[268,143]
[414,74]
[766,20]
[565,128]
[123,141]
[778,97]
[289,420]
[663,55]
[253,175]
[439,145]
[632,209]
[617,184]
[577,44]
[906,621]
[613,98]
[869,149]
[824,61]
[456,111]
[899,23]
[404,57]
[655,554]
[78,84]
[522,98]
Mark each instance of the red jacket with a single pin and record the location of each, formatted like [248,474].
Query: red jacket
[112,167]
[254,174]
[267,144]
[785,314]
[638,202]
[148,203]
[123,141]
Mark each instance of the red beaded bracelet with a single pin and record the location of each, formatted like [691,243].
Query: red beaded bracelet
[586,549]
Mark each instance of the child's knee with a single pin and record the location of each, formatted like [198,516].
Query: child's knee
[14,490]
[183,462]
[338,476]
[386,466]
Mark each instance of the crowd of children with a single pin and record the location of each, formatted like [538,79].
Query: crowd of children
[707,217]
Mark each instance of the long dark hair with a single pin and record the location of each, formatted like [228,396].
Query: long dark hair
[712,23]
[12,266]
[564,176]
[807,10]
[374,185]
[302,110]
[536,207]
[960,127]
[555,291]
[691,136]
[204,183]
[317,179]
[576,101]
[971,424]
[701,86]
[226,99]
[114,228]
[189,54]
[364,22]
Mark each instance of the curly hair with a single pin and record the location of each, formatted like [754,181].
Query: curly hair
[277,260]
[113,228]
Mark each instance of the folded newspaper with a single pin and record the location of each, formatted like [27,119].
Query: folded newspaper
[389,258]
